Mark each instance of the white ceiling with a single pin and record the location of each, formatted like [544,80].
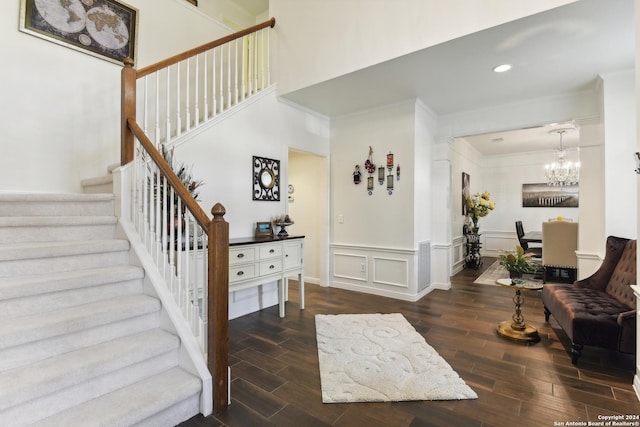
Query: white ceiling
[555,52]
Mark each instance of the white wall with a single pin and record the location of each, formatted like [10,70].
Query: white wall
[392,31]
[222,156]
[620,143]
[61,111]
[377,219]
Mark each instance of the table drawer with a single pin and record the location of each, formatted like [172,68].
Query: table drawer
[271,266]
[269,251]
[242,272]
[244,254]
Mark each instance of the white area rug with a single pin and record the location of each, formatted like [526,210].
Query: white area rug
[381,358]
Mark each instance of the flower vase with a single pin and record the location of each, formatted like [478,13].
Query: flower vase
[515,274]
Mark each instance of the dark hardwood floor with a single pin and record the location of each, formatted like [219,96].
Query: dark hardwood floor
[276,382]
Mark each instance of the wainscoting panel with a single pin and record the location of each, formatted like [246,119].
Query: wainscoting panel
[391,271]
[394,272]
[350,266]
[457,254]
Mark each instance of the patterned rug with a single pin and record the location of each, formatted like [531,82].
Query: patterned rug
[491,274]
[381,358]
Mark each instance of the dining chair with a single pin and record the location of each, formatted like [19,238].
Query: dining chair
[535,249]
[560,242]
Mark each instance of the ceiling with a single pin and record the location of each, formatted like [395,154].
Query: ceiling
[556,52]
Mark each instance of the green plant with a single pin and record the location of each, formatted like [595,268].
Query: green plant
[517,261]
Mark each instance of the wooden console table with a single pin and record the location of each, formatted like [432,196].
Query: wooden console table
[258,261]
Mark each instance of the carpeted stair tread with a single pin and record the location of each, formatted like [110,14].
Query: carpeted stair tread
[97,180]
[49,376]
[33,351]
[51,204]
[24,286]
[32,250]
[22,330]
[134,404]
[56,220]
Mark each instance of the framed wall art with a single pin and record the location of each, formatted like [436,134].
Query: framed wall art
[545,196]
[266,179]
[105,29]
[466,191]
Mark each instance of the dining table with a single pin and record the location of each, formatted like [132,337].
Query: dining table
[532,237]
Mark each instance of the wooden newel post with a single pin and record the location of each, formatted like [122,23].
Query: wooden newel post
[128,107]
[218,338]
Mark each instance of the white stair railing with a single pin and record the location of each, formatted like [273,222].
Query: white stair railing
[180,94]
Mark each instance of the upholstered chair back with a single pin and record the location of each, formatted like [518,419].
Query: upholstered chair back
[560,243]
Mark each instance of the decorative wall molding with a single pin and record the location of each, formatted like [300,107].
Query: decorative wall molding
[345,263]
[388,272]
[391,271]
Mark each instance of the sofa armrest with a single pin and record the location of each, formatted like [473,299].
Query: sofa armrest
[626,316]
[627,337]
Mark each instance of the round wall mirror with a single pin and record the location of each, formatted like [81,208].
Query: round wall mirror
[267,179]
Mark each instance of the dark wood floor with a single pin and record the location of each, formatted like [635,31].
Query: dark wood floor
[276,382]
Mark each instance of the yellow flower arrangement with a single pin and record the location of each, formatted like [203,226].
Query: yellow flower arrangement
[479,206]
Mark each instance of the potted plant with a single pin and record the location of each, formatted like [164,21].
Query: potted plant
[517,262]
[184,174]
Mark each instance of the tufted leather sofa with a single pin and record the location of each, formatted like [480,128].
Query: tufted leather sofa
[601,309]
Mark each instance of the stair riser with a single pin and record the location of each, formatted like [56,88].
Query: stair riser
[174,415]
[47,302]
[55,208]
[62,263]
[54,401]
[31,352]
[98,188]
[56,233]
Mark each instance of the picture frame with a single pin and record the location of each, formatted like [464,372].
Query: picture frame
[263,229]
[466,191]
[266,179]
[541,195]
[105,29]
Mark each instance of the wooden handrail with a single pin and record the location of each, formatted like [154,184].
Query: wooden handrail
[187,199]
[195,51]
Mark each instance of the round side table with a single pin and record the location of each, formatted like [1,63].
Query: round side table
[517,329]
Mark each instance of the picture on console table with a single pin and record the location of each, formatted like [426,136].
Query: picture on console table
[545,196]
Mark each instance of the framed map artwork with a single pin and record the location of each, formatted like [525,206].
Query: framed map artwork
[103,28]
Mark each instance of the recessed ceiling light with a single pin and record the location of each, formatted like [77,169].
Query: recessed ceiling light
[502,68]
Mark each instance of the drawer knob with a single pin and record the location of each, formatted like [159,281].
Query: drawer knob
[240,255]
[272,266]
[240,273]
[271,251]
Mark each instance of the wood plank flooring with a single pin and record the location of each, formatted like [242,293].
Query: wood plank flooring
[276,382]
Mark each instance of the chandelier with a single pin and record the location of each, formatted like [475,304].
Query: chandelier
[562,172]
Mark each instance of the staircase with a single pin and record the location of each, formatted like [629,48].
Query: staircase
[80,342]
